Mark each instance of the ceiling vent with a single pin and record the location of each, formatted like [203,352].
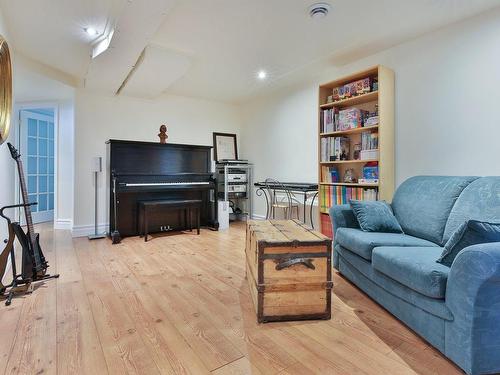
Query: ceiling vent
[319,10]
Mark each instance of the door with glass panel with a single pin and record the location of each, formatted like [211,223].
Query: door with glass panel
[37,150]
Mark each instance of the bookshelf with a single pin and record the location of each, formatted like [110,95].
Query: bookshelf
[334,158]
[363,98]
[350,131]
[364,161]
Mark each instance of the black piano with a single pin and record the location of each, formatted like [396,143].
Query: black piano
[142,171]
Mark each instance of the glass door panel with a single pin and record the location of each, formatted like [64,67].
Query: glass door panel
[37,150]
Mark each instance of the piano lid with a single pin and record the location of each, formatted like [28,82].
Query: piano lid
[154,158]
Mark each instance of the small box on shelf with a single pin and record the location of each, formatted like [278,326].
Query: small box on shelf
[351,118]
[369,154]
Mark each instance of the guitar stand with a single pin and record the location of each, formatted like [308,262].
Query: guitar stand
[23,286]
[19,285]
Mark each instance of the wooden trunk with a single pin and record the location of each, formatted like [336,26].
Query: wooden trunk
[288,270]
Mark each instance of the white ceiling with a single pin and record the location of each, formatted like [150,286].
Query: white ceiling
[223,43]
[134,26]
[158,69]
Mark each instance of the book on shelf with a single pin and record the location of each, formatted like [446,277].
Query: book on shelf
[332,120]
[329,119]
[335,148]
[329,174]
[370,171]
[369,140]
[337,195]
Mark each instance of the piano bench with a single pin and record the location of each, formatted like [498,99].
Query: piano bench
[186,205]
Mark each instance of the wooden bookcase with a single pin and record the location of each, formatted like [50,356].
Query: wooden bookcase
[383,97]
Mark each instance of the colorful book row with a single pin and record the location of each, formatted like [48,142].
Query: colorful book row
[335,195]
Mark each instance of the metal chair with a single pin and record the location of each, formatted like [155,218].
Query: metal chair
[279,197]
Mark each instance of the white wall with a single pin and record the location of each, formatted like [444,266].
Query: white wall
[65,165]
[279,137]
[33,86]
[446,109]
[99,118]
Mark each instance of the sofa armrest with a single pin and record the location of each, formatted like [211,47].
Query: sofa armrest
[473,296]
[341,216]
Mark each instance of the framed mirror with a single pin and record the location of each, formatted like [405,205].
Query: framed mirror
[5,90]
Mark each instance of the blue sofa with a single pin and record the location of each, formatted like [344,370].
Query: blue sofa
[457,308]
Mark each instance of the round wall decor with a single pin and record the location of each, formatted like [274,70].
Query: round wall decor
[5,90]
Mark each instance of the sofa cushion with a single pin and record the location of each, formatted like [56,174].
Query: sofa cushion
[375,216]
[422,204]
[430,327]
[470,233]
[479,201]
[363,243]
[432,305]
[414,267]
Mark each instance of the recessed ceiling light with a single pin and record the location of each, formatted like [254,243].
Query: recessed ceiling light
[262,74]
[90,30]
[319,10]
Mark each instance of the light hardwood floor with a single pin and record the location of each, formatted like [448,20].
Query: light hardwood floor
[180,304]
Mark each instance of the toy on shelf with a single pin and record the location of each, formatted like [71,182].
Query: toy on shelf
[357,151]
[341,92]
[335,94]
[359,87]
[367,84]
[342,148]
[350,176]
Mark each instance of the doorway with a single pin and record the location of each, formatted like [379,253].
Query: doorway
[37,129]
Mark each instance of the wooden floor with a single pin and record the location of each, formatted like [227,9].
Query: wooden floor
[180,304]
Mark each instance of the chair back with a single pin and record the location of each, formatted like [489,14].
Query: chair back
[277,194]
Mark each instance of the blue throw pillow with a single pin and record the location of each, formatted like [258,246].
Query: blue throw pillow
[375,216]
[470,233]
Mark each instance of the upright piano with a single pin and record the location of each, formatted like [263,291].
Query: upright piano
[141,171]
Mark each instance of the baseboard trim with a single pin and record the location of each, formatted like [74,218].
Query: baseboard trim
[66,224]
[258,217]
[85,230]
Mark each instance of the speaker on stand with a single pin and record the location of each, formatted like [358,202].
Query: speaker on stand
[96,168]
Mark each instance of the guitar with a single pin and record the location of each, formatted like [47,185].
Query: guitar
[34,265]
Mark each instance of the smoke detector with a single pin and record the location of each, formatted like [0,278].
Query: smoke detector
[319,10]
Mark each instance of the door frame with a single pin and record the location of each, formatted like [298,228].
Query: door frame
[18,107]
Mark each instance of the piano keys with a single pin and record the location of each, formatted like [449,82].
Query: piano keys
[141,171]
